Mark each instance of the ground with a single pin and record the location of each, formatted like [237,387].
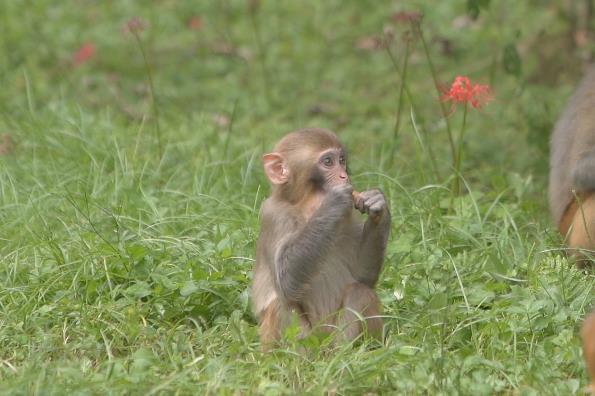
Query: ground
[130,184]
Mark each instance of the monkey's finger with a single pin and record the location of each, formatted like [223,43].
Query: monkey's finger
[360,205]
[368,194]
[358,201]
[377,208]
[371,192]
[375,202]
[342,193]
[374,198]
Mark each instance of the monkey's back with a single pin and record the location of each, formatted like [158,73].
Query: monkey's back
[263,292]
[574,131]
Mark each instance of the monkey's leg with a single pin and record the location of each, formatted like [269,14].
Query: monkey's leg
[270,325]
[275,318]
[582,230]
[360,302]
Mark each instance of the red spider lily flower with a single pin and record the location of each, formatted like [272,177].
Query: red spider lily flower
[84,53]
[462,91]
[195,23]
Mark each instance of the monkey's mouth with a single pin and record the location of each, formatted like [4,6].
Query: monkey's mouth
[338,182]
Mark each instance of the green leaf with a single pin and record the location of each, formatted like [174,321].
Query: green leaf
[139,290]
[189,288]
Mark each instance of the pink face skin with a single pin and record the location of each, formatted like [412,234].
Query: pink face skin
[332,164]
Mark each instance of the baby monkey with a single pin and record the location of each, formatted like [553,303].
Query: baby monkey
[316,257]
[572,170]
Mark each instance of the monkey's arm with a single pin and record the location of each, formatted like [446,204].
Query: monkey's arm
[374,236]
[298,258]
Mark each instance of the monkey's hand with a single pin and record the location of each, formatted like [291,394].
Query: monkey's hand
[371,202]
[339,199]
[374,236]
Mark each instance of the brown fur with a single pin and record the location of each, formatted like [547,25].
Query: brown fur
[299,149]
[572,168]
[328,274]
[359,299]
[275,318]
[270,324]
[567,219]
[581,231]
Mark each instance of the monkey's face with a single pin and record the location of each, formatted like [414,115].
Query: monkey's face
[331,168]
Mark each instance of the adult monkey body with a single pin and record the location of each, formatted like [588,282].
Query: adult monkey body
[572,168]
[316,257]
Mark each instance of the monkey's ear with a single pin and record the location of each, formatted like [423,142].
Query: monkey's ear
[275,169]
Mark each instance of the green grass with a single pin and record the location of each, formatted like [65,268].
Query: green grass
[123,271]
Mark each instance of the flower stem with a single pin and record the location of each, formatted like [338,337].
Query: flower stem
[458,159]
[401,89]
[417,27]
[405,89]
[254,18]
[151,90]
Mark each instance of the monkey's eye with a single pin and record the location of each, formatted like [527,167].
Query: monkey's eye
[327,161]
[342,160]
